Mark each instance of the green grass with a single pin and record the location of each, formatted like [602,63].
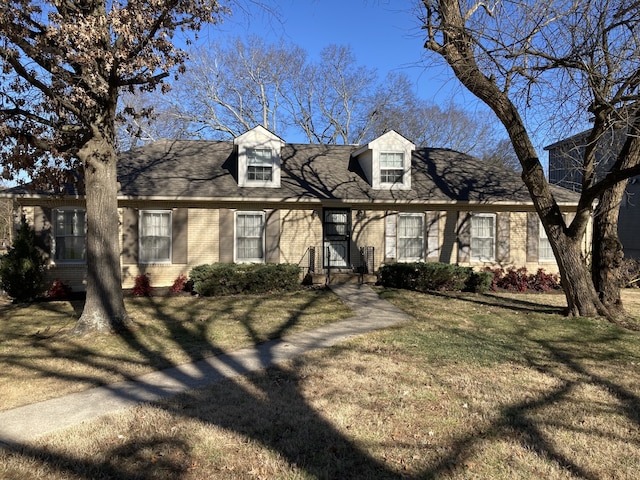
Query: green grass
[475,387]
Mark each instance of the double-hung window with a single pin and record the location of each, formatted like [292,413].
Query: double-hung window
[259,164]
[545,253]
[70,235]
[391,167]
[250,230]
[155,236]
[483,237]
[410,237]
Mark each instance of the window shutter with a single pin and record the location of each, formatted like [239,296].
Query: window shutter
[130,236]
[533,236]
[226,229]
[503,220]
[433,236]
[390,237]
[180,235]
[464,236]
[272,234]
[42,227]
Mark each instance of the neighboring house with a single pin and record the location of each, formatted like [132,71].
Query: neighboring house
[565,170]
[324,207]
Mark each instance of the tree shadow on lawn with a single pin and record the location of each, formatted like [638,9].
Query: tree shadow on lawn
[520,422]
[329,451]
[565,360]
[272,411]
[512,303]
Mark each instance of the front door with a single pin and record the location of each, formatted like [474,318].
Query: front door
[336,238]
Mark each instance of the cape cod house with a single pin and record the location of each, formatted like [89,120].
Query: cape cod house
[326,208]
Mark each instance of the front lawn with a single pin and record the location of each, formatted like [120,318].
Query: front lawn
[496,386]
[39,360]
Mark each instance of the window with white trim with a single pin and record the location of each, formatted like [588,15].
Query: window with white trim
[545,253]
[410,237]
[250,231]
[391,167]
[483,237]
[259,165]
[70,233]
[155,234]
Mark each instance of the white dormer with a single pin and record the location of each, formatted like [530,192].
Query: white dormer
[386,161]
[258,158]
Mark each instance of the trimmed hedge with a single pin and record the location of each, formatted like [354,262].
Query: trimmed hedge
[253,278]
[434,276]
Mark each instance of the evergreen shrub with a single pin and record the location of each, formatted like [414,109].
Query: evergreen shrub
[253,278]
[434,276]
[22,267]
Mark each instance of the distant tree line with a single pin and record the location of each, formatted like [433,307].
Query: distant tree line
[231,86]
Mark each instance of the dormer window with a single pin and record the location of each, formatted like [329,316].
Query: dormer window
[391,167]
[259,164]
[386,161]
[258,153]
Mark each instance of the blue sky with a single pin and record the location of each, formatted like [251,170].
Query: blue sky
[383,34]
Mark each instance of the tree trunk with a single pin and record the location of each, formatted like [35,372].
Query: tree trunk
[607,250]
[448,36]
[104,309]
[582,297]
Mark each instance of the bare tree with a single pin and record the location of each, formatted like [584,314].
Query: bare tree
[245,83]
[576,55]
[140,120]
[395,106]
[230,87]
[64,65]
[502,153]
[239,85]
[341,88]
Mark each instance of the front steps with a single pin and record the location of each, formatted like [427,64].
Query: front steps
[337,278]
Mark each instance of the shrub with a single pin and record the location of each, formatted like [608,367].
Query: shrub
[142,286]
[441,276]
[433,276]
[22,267]
[519,280]
[544,282]
[479,282]
[231,279]
[59,291]
[496,274]
[180,284]
[398,275]
[515,280]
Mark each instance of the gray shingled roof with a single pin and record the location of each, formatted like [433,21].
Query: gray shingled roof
[189,169]
[206,170]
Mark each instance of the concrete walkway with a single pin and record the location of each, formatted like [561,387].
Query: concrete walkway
[26,423]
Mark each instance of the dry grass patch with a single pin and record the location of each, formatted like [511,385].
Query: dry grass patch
[477,387]
[40,360]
